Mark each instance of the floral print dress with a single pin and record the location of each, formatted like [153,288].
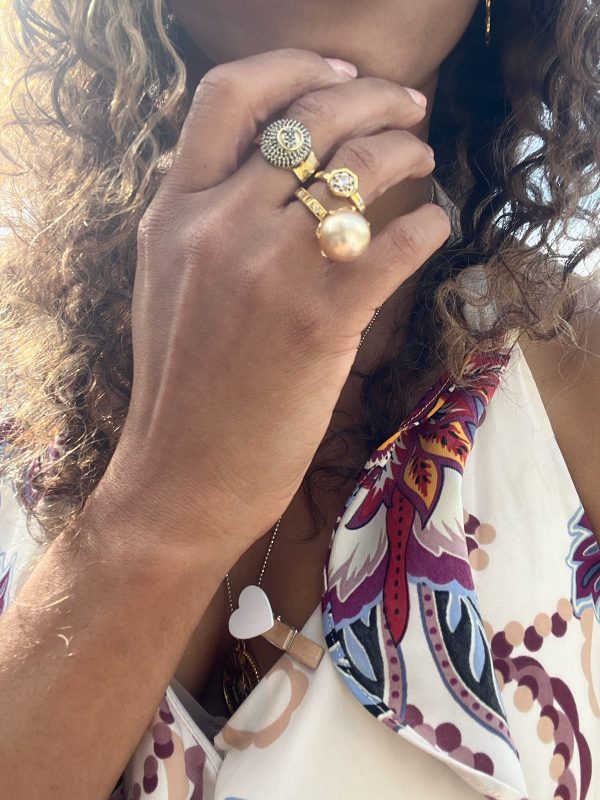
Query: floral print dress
[460,617]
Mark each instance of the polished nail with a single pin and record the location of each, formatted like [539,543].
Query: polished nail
[343,68]
[417,96]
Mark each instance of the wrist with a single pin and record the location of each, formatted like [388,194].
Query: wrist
[140,526]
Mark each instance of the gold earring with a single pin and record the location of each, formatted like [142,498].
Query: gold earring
[488,22]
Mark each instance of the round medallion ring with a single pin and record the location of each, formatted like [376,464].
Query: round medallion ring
[342,182]
[287,143]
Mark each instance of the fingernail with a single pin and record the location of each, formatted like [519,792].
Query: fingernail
[343,68]
[417,96]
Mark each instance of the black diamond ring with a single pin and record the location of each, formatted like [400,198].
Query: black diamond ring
[287,143]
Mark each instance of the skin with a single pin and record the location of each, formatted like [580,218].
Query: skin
[122,564]
[384,39]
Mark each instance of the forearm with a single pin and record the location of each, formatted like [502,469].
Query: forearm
[86,651]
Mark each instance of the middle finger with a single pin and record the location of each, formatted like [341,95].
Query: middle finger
[353,109]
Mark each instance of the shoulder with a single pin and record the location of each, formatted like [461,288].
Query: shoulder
[568,380]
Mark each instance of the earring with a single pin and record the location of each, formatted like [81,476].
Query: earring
[488,22]
[170,16]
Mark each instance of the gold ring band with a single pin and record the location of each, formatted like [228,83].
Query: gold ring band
[307,168]
[311,202]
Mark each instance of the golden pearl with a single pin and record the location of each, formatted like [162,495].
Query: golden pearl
[344,235]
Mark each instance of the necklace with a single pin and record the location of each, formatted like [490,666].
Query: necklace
[254,617]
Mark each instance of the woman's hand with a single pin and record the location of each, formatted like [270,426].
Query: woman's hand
[243,334]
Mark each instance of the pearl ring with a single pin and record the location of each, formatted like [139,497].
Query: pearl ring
[343,233]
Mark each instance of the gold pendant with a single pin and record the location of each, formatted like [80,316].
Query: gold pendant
[240,676]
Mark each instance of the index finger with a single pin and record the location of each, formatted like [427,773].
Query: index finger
[231,103]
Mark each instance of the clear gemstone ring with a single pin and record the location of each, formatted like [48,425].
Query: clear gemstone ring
[343,182]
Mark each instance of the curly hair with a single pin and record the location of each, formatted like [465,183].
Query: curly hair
[94,110]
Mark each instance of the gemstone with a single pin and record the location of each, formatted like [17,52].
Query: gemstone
[343,182]
[290,138]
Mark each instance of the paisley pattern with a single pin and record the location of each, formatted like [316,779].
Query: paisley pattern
[406,526]
[584,560]
[459,646]
[404,480]
[406,475]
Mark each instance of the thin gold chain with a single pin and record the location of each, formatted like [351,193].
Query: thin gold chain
[268,553]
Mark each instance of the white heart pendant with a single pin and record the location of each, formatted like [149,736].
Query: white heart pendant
[254,616]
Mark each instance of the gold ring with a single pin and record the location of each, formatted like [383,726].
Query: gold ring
[342,182]
[311,202]
[343,233]
[287,143]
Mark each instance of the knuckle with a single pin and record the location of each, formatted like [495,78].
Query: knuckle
[198,243]
[220,83]
[406,137]
[411,140]
[307,63]
[397,98]
[409,240]
[208,229]
[305,321]
[361,154]
[416,146]
[200,238]
[313,107]
[145,227]
[393,93]
[151,223]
